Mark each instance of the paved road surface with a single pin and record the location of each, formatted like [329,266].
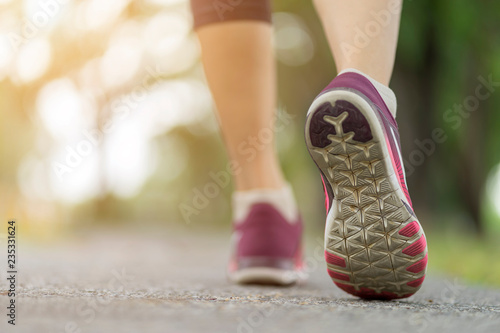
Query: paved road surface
[174,282]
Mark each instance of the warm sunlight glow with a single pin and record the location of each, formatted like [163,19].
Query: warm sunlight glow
[33,59]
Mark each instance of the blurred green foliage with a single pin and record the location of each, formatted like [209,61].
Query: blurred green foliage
[444,46]
[477,264]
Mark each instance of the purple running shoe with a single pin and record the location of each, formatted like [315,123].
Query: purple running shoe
[375,246]
[266,244]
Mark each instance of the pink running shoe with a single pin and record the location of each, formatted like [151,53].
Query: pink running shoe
[374,245]
[266,239]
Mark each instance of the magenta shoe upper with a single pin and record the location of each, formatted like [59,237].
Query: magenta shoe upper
[266,239]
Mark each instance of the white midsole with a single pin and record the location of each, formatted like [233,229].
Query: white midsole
[267,275]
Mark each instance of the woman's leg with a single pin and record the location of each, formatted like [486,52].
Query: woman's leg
[375,246]
[235,38]
[362,34]
[240,71]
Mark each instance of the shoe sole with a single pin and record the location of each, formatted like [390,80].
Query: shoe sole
[266,276]
[374,245]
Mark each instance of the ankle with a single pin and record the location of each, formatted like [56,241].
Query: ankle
[260,176]
[282,199]
[383,89]
[243,184]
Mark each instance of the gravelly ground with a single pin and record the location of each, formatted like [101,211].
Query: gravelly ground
[175,282]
